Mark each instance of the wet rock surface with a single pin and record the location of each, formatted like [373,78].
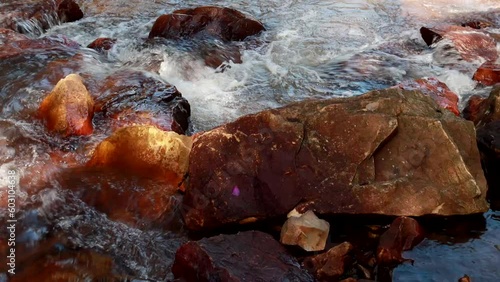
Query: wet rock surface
[488,139]
[102,44]
[403,234]
[330,265]
[483,111]
[246,256]
[223,23]
[436,89]
[488,74]
[69,108]
[365,154]
[37,15]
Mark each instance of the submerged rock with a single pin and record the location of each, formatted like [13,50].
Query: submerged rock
[329,266]
[37,15]
[69,108]
[436,89]
[403,234]
[223,23]
[102,44]
[488,74]
[246,256]
[391,152]
[306,231]
[145,151]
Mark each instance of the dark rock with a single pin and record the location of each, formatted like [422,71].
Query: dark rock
[472,44]
[134,98]
[482,112]
[223,23]
[215,57]
[488,140]
[102,44]
[403,234]
[488,74]
[330,265]
[31,16]
[474,108]
[246,256]
[436,89]
[370,154]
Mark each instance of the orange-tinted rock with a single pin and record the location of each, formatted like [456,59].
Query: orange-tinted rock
[306,231]
[403,234]
[145,151]
[436,89]
[488,74]
[78,265]
[134,98]
[329,266]
[470,43]
[246,256]
[382,141]
[69,108]
[466,278]
[224,23]
[474,108]
[40,15]
[102,44]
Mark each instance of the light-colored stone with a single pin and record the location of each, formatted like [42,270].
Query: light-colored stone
[69,108]
[307,231]
[146,151]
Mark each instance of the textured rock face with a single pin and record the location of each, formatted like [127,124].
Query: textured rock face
[484,111]
[488,139]
[145,151]
[223,23]
[69,108]
[388,152]
[488,74]
[329,266]
[435,89]
[246,256]
[403,234]
[307,231]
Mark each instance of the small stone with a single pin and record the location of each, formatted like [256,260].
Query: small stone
[69,108]
[102,44]
[330,265]
[403,234]
[307,231]
[466,278]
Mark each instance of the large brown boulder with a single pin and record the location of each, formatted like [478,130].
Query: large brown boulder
[223,23]
[69,108]
[390,152]
[246,256]
[37,15]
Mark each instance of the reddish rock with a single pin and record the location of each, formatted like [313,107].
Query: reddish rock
[470,43]
[488,74]
[69,108]
[224,23]
[134,98]
[483,111]
[474,108]
[466,278]
[102,44]
[403,234]
[436,89]
[246,256]
[329,266]
[40,14]
[382,142]
[15,45]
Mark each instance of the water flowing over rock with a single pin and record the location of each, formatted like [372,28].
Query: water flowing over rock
[390,152]
[436,89]
[403,234]
[28,16]
[472,44]
[69,108]
[307,231]
[246,256]
[223,23]
[145,151]
[330,265]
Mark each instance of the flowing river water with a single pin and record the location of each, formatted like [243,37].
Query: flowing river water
[310,49]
